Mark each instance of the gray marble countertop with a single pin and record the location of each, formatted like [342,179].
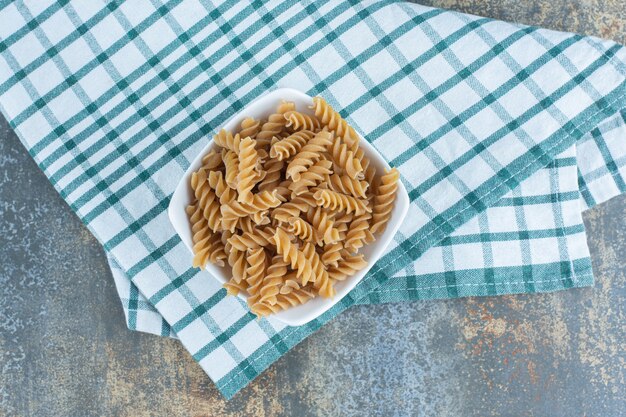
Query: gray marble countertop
[65,350]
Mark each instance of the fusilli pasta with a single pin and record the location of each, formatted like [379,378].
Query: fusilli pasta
[257,238]
[231,163]
[347,266]
[309,154]
[333,200]
[291,145]
[288,203]
[273,175]
[302,229]
[226,140]
[249,128]
[344,158]
[270,286]
[290,252]
[383,202]
[274,125]
[255,272]
[331,119]
[348,185]
[248,170]
[301,121]
[323,226]
[317,173]
[222,190]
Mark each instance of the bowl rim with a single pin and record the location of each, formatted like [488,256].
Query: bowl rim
[290,317]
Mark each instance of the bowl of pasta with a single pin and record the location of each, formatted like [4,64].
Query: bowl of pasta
[288,206]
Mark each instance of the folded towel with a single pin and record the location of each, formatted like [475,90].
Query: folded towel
[482,118]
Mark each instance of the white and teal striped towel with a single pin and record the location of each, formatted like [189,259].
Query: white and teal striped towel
[503,134]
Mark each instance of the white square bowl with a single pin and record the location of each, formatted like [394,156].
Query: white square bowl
[261,108]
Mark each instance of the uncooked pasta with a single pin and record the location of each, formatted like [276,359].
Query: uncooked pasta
[287,203]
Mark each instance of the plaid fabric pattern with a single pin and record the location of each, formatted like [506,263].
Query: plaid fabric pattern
[113,100]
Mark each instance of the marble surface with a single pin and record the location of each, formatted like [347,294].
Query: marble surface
[65,351]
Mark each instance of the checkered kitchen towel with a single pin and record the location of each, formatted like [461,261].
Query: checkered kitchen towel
[501,133]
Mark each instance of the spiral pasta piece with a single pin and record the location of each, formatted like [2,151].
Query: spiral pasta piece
[275,124]
[290,284]
[207,200]
[248,170]
[224,236]
[295,257]
[237,261]
[217,251]
[262,155]
[384,200]
[207,245]
[291,145]
[315,175]
[302,229]
[309,154]
[282,190]
[322,224]
[226,140]
[199,185]
[273,175]
[357,232]
[369,172]
[321,279]
[347,266]
[231,162]
[249,128]
[294,298]
[201,236]
[300,121]
[234,210]
[319,271]
[335,201]
[293,208]
[332,254]
[342,219]
[257,265]
[212,161]
[234,288]
[347,185]
[333,120]
[284,301]
[270,287]
[258,238]
[345,159]
[245,224]
[261,218]
[218,183]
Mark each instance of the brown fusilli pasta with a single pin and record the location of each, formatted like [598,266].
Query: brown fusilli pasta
[383,202]
[333,121]
[249,128]
[333,200]
[348,185]
[248,170]
[316,174]
[231,163]
[287,204]
[274,125]
[309,154]
[301,121]
[344,158]
[291,145]
[227,141]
